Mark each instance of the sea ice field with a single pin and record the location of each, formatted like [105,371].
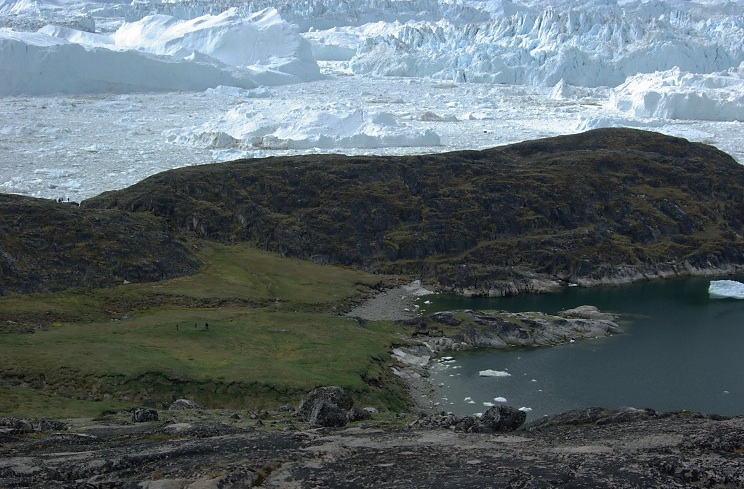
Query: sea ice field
[97,95]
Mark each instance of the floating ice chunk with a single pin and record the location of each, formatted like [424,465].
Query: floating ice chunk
[158,52]
[720,289]
[488,404]
[468,399]
[494,373]
[499,399]
[674,94]
[533,380]
[525,409]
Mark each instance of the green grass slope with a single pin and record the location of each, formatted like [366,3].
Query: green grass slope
[251,329]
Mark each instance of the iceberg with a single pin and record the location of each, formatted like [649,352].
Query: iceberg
[674,94]
[494,373]
[303,129]
[157,53]
[726,289]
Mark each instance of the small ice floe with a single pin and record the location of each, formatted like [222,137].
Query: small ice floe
[488,404]
[499,399]
[533,380]
[427,302]
[573,285]
[726,392]
[726,289]
[494,373]
[572,340]
[471,402]
[525,409]
[468,399]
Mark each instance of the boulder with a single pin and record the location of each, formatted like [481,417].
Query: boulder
[326,414]
[182,404]
[497,419]
[503,418]
[330,394]
[144,415]
[16,425]
[360,414]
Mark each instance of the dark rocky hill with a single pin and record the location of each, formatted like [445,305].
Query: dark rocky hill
[45,245]
[605,206]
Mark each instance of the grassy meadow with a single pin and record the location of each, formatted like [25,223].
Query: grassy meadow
[250,330]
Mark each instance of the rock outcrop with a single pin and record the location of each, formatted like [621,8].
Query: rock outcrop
[605,206]
[144,415]
[496,419]
[46,245]
[622,449]
[325,406]
[181,404]
[459,330]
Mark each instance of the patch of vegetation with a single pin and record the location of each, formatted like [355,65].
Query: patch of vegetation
[251,329]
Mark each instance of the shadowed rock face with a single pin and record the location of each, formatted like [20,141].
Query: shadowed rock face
[610,205]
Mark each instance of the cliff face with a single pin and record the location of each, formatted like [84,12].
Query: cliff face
[602,206]
[45,245]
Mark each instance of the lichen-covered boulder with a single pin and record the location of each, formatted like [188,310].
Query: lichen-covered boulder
[503,418]
[144,415]
[330,394]
[328,415]
[360,414]
[183,404]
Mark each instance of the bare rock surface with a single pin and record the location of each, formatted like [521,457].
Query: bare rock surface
[595,447]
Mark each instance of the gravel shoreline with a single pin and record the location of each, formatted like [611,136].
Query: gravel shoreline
[397,304]
[391,305]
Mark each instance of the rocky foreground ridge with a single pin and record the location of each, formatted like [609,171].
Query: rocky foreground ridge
[588,448]
[605,206]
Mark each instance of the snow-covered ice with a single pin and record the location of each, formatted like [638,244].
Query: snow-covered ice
[674,94]
[494,373]
[97,95]
[726,289]
[157,53]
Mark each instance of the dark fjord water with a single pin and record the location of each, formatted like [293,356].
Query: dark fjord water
[680,350]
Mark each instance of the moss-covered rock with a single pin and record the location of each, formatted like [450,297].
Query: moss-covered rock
[609,205]
[46,245]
